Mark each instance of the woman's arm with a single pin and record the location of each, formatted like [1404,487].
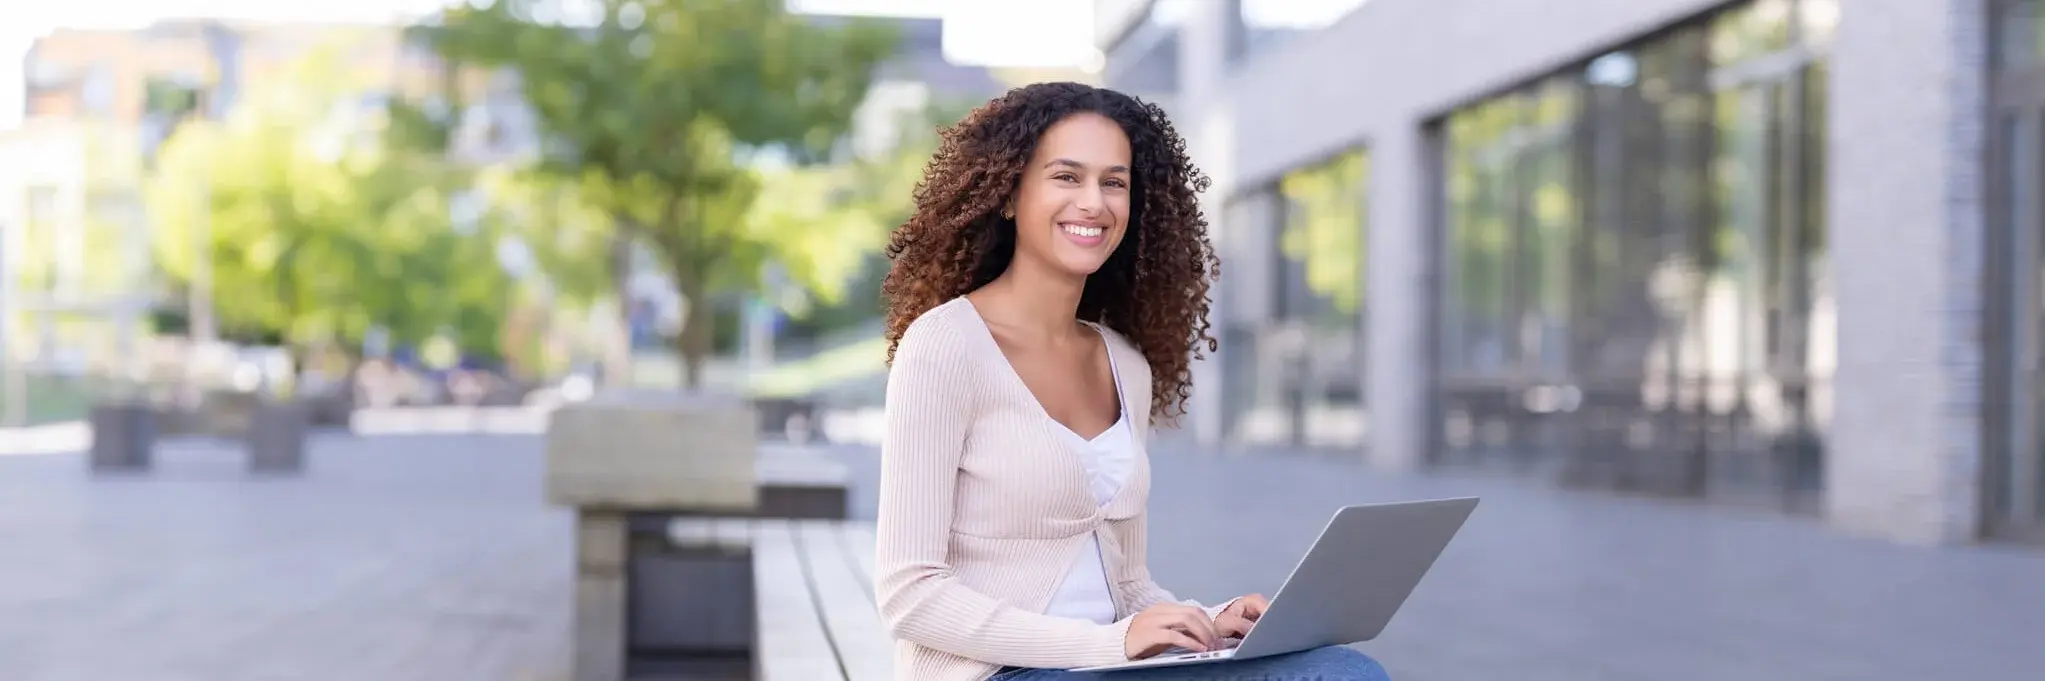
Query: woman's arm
[930,403]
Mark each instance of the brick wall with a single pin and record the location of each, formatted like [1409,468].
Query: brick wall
[1906,228]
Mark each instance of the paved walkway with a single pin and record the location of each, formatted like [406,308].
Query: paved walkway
[435,557]
[395,558]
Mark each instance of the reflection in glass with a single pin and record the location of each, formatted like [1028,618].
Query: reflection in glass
[1479,181]
[1298,330]
[2026,149]
[1634,289]
[1749,30]
[1551,221]
[2019,354]
[1322,241]
[1819,20]
[2019,27]
[1322,251]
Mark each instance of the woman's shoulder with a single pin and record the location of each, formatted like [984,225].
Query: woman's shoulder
[948,318]
[940,334]
[1121,344]
[1129,360]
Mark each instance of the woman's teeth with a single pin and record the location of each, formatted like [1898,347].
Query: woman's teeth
[1084,231]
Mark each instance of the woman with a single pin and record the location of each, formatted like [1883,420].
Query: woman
[1045,301]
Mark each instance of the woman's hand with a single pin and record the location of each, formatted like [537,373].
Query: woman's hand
[1236,620]
[1165,625]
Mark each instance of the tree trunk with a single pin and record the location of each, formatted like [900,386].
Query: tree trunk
[617,370]
[693,343]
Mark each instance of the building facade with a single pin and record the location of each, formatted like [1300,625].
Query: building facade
[74,248]
[1779,253]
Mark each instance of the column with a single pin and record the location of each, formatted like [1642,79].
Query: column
[1204,41]
[1906,228]
[1399,373]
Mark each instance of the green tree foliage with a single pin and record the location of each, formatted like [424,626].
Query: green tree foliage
[874,195]
[654,111]
[319,230]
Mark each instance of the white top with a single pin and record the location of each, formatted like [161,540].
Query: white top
[1108,458]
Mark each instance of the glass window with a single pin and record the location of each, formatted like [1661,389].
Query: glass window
[1549,204]
[1319,301]
[2019,33]
[1633,263]
[1735,244]
[1480,237]
[1750,29]
[1818,20]
[1322,240]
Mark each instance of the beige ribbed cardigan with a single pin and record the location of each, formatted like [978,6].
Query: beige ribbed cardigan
[984,506]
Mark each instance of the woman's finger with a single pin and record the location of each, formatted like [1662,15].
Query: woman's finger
[1197,624]
[1253,607]
[1230,625]
[1182,640]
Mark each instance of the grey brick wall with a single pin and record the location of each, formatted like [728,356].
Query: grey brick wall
[1966,230]
[1906,228]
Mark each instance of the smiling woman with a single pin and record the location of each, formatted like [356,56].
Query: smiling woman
[1046,298]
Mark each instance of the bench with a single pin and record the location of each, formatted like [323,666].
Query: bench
[812,615]
[272,433]
[686,596]
[800,482]
[674,497]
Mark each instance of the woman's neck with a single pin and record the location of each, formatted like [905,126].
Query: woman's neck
[1035,301]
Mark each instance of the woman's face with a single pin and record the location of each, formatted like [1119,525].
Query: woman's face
[1073,206]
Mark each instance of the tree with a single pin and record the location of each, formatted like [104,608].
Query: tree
[867,198]
[320,230]
[657,111]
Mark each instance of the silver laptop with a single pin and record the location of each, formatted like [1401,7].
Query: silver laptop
[1356,575]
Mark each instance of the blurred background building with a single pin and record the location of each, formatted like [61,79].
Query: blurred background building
[1773,252]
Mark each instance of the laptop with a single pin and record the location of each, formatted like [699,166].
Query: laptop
[1356,575]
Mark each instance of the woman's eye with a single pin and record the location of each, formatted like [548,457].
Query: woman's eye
[1118,184]
[1065,177]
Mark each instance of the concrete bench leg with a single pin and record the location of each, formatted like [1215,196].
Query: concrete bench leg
[600,541]
[123,436]
[276,437]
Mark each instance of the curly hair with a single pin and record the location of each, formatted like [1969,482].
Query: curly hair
[1153,289]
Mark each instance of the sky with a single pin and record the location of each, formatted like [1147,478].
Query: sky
[983,32]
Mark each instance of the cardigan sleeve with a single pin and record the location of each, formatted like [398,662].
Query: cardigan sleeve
[929,409]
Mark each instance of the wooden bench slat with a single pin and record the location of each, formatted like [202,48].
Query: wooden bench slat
[733,532]
[791,642]
[859,540]
[724,533]
[689,531]
[848,611]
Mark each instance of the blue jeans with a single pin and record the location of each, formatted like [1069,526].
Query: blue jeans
[1331,663]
